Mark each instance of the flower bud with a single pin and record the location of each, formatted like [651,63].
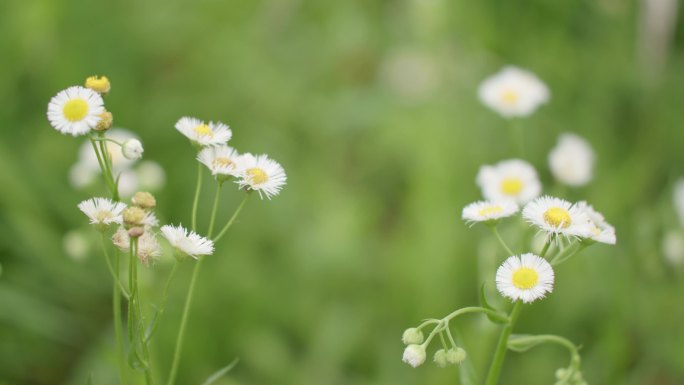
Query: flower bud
[136,232]
[132,149]
[105,123]
[99,84]
[133,216]
[144,200]
[456,356]
[562,374]
[441,358]
[414,355]
[412,336]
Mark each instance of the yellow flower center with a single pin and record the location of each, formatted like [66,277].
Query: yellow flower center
[204,130]
[596,231]
[257,175]
[525,278]
[102,216]
[223,162]
[557,217]
[511,186]
[75,109]
[509,97]
[490,210]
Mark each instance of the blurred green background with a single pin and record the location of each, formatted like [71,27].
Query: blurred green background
[371,108]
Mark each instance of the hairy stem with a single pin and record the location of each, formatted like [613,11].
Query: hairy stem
[500,353]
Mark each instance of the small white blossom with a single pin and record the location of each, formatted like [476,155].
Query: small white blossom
[187,242]
[513,92]
[527,278]
[75,110]
[132,149]
[572,160]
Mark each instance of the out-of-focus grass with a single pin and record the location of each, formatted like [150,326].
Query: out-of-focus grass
[371,108]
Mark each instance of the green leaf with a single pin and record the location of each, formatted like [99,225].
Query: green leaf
[134,359]
[220,373]
[524,342]
[483,302]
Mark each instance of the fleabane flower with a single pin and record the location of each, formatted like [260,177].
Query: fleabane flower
[187,242]
[485,211]
[572,160]
[513,92]
[222,161]
[148,247]
[204,134]
[527,278]
[601,231]
[259,173]
[558,217]
[512,180]
[75,111]
[102,211]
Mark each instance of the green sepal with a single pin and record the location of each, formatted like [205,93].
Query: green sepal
[501,319]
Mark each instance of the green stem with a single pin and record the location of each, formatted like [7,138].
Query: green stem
[232,219]
[107,160]
[195,202]
[116,305]
[165,299]
[501,241]
[546,247]
[113,270]
[566,254]
[131,289]
[184,321]
[500,353]
[214,209]
[471,309]
[103,139]
[103,168]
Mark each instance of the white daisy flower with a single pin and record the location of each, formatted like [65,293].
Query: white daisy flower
[222,161]
[261,174]
[204,134]
[601,231]
[513,92]
[572,160]
[75,111]
[557,216]
[102,211]
[484,211]
[527,278]
[512,180]
[148,246]
[187,242]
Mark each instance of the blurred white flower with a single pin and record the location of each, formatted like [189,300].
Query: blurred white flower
[601,231]
[527,278]
[511,180]
[261,174]
[132,149]
[513,92]
[673,247]
[187,242]
[128,183]
[484,211]
[148,247]
[204,134]
[151,176]
[76,245]
[410,74]
[75,111]
[222,161]
[558,217]
[572,160]
[679,200]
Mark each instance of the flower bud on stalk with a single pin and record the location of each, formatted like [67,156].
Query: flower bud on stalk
[144,200]
[132,149]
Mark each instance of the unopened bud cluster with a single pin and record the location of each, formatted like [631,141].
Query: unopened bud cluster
[415,354]
[569,376]
[138,216]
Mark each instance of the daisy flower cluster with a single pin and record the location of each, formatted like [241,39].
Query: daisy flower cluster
[132,227]
[513,188]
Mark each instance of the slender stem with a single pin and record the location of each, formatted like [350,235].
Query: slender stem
[232,219]
[500,353]
[116,307]
[214,209]
[184,321]
[498,236]
[103,168]
[165,299]
[113,270]
[552,339]
[131,289]
[107,160]
[103,139]
[569,252]
[471,309]
[195,202]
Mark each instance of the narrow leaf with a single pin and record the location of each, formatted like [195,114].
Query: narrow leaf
[483,302]
[220,373]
